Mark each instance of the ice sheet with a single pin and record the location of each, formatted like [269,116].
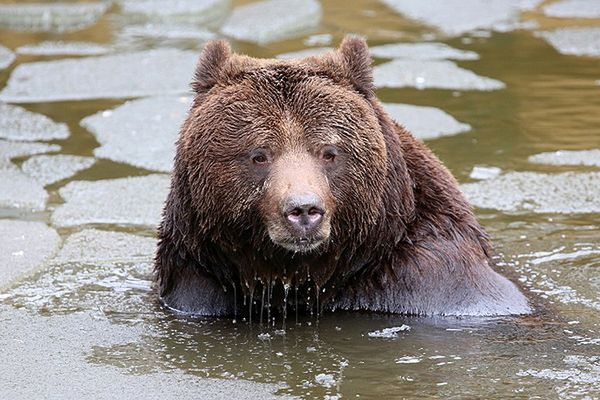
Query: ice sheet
[272,20]
[573,9]
[425,122]
[51,169]
[6,57]
[59,17]
[134,74]
[124,201]
[197,11]
[422,51]
[99,246]
[61,48]
[16,123]
[427,74]
[25,246]
[574,41]
[457,17]
[569,192]
[140,132]
[568,157]
[18,190]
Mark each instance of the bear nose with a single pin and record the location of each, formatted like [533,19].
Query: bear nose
[304,211]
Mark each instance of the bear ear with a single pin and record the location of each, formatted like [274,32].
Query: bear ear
[357,63]
[210,65]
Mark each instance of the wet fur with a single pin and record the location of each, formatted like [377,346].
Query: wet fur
[403,238]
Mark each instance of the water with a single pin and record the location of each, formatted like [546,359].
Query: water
[87,314]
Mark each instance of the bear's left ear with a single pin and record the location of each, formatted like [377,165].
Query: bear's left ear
[210,66]
[357,63]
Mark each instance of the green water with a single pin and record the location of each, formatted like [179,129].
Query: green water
[550,103]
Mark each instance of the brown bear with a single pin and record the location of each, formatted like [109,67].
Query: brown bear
[290,176]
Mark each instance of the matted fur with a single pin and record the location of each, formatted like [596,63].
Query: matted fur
[402,238]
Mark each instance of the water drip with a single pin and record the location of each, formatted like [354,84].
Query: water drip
[234,302]
[269,296]
[296,302]
[250,305]
[286,290]
[317,302]
[262,304]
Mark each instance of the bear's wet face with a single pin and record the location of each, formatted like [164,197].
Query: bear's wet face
[294,156]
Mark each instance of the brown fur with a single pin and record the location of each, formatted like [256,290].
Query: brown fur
[397,235]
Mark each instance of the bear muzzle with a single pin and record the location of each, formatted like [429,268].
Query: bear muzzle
[298,205]
[303,223]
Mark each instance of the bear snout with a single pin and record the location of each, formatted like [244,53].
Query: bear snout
[304,212]
[303,222]
[297,204]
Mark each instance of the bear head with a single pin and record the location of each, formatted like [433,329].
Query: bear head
[285,158]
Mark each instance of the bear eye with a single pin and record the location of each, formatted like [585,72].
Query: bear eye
[329,154]
[259,157]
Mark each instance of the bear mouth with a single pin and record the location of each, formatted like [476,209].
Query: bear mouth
[301,244]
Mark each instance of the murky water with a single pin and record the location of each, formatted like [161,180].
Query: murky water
[83,309]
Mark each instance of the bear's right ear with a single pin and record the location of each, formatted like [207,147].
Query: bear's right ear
[210,65]
[357,63]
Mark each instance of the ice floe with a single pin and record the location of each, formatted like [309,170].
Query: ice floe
[140,132]
[24,247]
[167,31]
[60,48]
[6,57]
[125,201]
[16,123]
[94,269]
[426,74]
[558,256]
[548,288]
[573,9]
[272,20]
[389,333]
[313,51]
[60,348]
[60,17]
[589,158]
[197,11]
[456,17]
[482,172]
[574,41]
[143,73]
[580,378]
[326,380]
[10,150]
[48,169]
[94,246]
[408,360]
[321,39]
[425,122]
[569,192]
[18,190]
[543,271]
[68,286]
[422,51]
